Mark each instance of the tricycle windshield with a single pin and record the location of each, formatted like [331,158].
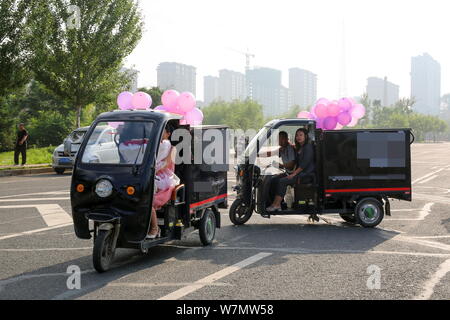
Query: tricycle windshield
[258,139]
[118,142]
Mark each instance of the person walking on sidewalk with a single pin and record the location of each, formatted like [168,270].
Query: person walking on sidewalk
[21,145]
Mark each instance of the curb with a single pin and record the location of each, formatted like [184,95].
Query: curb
[21,172]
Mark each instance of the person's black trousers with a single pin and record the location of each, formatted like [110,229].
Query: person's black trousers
[20,150]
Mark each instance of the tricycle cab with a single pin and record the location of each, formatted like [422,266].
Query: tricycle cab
[354,170]
[113,184]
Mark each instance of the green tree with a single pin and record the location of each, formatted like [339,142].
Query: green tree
[243,115]
[82,64]
[14,56]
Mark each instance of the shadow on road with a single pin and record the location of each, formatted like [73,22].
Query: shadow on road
[233,244]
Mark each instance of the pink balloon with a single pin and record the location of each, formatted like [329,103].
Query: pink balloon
[141,100]
[305,115]
[352,123]
[358,111]
[329,123]
[170,99]
[160,108]
[124,100]
[345,104]
[323,101]
[186,102]
[344,118]
[321,111]
[195,117]
[319,123]
[333,109]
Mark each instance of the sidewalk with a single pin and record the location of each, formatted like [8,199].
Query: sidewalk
[11,170]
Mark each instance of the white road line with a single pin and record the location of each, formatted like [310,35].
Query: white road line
[26,233]
[44,249]
[425,243]
[428,179]
[34,199]
[36,193]
[163,284]
[430,197]
[428,291]
[213,277]
[431,237]
[429,174]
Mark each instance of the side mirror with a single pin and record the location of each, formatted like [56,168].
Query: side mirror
[67,147]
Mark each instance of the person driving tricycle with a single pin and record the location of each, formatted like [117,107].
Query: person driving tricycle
[304,162]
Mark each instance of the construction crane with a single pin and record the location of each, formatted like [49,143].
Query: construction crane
[247,55]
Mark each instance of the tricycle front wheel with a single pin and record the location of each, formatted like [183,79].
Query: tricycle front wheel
[240,214]
[103,252]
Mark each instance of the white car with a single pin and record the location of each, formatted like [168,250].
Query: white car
[101,147]
[64,154]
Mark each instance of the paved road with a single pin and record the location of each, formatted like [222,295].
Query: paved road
[280,258]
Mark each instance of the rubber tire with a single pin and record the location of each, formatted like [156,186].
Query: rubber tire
[348,218]
[101,264]
[60,170]
[232,213]
[374,202]
[203,228]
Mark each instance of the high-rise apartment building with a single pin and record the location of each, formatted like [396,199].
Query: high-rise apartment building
[303,86]
[231,85]
[210,89]
[383,91]
[177,76]
[264,86]
[426,84]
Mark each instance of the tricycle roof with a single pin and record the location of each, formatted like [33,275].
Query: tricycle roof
[289,121]
[143,115]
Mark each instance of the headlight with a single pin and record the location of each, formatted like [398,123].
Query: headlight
[103,188]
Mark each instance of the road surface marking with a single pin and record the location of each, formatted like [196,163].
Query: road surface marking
[428,179]
[44,249]
[26,233]
[34,199]
[214,277]
[429,174]
[431,237]
[165,284]
[444,268]
[37,193]
[424,212]
[299,250]
[432,198]
[52,214]
[426,243]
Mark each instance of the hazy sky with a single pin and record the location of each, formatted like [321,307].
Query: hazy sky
[381,38]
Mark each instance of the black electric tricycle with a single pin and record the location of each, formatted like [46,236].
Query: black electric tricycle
[113,184]
[357,172]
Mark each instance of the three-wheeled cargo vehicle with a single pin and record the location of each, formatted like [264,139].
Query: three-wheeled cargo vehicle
[112,188]
[356,173]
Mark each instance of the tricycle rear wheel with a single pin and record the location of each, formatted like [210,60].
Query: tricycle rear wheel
[103,253]
[207,227]
[239,214]
[369,212]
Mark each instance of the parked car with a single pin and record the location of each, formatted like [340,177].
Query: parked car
[64,155]
[101,147]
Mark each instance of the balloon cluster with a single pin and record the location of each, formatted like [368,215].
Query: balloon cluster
[334,115]
[174,102]
[183,104]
